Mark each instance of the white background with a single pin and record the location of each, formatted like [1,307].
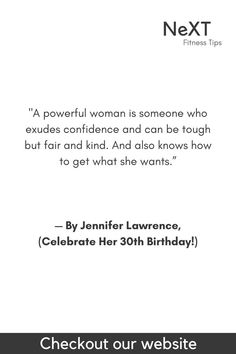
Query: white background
[112,54]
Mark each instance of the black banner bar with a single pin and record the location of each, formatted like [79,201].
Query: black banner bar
[38,343]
